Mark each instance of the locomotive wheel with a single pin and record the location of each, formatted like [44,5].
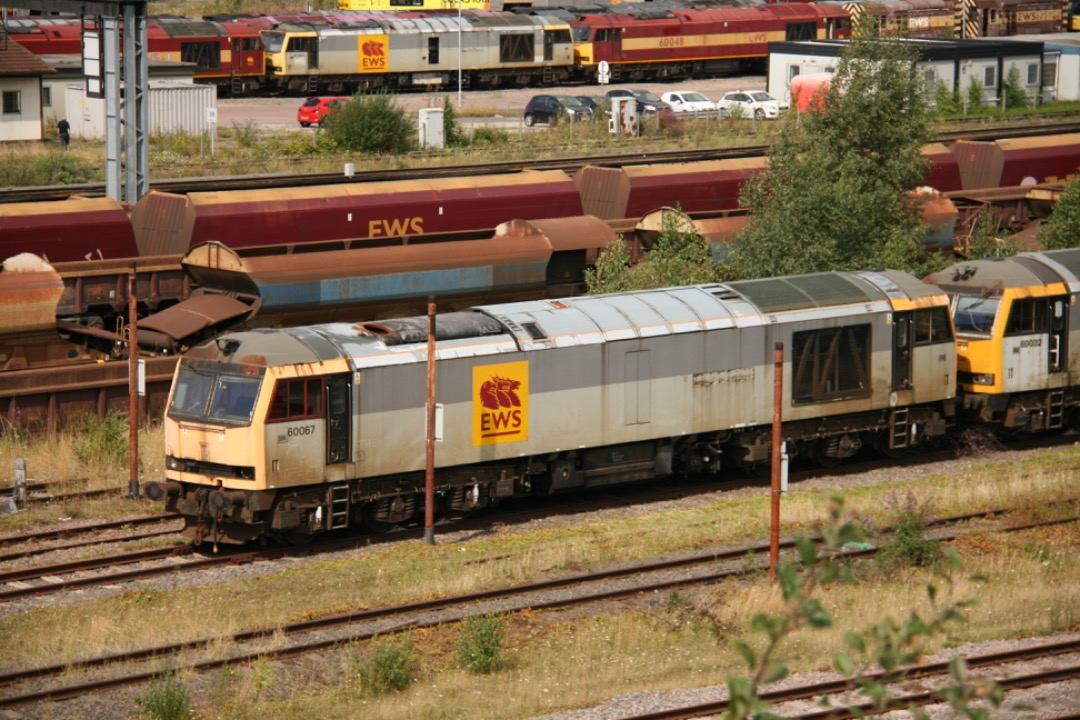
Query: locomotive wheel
[386,514]
[819,454]
[296,538]
[529,120]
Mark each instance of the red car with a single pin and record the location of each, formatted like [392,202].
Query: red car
[315,109]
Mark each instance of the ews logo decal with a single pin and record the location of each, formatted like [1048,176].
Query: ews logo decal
[500,398]
[374,53]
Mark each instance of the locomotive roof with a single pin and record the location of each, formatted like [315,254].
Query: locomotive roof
[543,324]
[1033,269]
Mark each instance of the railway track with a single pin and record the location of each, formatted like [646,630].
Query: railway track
[567,164]
[613,583]
[924,698]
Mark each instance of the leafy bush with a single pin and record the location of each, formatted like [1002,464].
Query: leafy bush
[451,127]
[104,440]
[479,643]
[947,101]
[247,135]
[166,699]
[1015,97]
[485,136]
[389,668]
[974,97]
[1063,226]
[371,124]
[20,169]
[910,547]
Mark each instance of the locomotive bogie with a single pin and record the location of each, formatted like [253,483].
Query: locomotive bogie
[543,397]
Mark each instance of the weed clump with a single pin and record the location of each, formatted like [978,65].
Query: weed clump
[390,667]
[910,546]
[102,440]
[478,649]
[166,699]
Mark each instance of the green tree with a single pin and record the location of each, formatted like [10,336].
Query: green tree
[1015,97]
[451,127]
[1062,229]
[371,124]
[837,191]
[987,238]
[974,97]
[947,101]
[680,256]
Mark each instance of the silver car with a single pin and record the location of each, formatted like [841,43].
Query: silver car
[756,104]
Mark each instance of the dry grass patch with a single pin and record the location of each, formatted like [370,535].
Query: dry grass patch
[406,572]
[678,641]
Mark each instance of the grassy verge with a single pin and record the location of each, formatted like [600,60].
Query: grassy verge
[243,148]
[1026,585]
[92,457]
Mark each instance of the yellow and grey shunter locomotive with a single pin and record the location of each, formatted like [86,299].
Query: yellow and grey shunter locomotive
[286,433]
[1018,353]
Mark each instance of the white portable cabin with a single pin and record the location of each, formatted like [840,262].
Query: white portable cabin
[954,62]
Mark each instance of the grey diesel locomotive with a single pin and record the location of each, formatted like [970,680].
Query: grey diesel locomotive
[287,433]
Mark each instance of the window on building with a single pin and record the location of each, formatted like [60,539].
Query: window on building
[13,102]
[1033,74]
[46,96]
[1049,78]
[990,77]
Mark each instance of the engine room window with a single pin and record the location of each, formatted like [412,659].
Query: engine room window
[205,56]
[296,399]
[831,364]
[1028,316]
[516,48]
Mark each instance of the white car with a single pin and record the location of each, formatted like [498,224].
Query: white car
[756,104]
[689,101]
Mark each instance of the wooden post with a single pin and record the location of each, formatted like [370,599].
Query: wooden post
[778,387]
[429,472]
[133,387]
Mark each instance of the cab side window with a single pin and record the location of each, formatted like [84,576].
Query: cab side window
[296,399]
[932,326]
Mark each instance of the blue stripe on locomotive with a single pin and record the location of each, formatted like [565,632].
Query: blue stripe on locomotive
[407,285]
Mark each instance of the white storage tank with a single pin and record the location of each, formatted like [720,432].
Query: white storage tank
[175,108]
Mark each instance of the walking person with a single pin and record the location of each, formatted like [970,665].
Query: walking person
[64,128]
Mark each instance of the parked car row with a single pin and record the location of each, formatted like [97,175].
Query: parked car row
[756,104]
[749,104]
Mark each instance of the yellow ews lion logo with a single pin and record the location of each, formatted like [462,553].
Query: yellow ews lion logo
[501,403]
[374,53]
